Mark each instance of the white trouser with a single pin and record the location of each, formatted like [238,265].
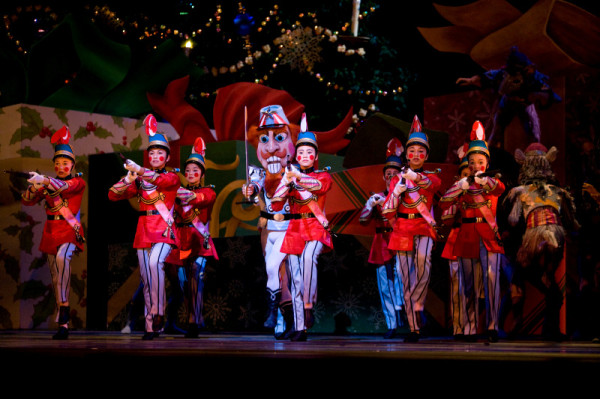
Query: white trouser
[60,271]
[273,258]
[415,269]
[152,270]
[390,292]
[303,288]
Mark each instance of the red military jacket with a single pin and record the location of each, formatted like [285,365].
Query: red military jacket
[379,254]
[151,227]
[57,231]
[409,221]
[474,226]
[190,238]
[304,226]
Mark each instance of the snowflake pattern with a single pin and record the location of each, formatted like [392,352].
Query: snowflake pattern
[299,49]
[248,315]
[216,308]
[348,303]
[457,120]
[376,317]
[236,252]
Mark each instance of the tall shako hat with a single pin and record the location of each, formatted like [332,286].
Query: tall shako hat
[393,154]
[462,156]
[478,143]
[155,139]
[197,154]
[304,137]
[416,135]
[272,116]
[62,148]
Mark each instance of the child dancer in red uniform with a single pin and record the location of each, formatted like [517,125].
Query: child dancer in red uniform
[63,235]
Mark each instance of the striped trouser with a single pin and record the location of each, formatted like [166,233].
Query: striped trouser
[303,281]
[195,290]
[415,269]
[390,292]
[152,270]
[465,290]
[60,270]
[490,275]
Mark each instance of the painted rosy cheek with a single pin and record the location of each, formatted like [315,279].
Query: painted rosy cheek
[410,156]
[196,174]
[422,156]
[56,168]
[312,157]
[482,168]
[298,158]
[161,158]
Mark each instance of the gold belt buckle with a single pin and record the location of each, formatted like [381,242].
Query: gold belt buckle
[478,219]
[278,217]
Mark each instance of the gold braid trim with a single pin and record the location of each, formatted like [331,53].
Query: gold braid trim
[191,216]
[422,198]
[56,208]
[303,202]
[477,204]
[151,201]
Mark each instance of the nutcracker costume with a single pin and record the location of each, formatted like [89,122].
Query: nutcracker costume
[548,212]
[307,235]
[155,237]
[62,236]
[478,239]
[195,243]
[410,204]
[385,261]
[274,144]
[465,285]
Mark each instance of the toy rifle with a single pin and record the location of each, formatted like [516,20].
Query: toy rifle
[490,173]
[18,173]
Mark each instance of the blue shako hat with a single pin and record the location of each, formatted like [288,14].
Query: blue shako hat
[416,135]
[272,116]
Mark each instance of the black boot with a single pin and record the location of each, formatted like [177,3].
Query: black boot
[64,313]
[273,299]
[288,317]
[192,331]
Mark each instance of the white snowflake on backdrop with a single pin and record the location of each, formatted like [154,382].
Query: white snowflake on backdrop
[299,49]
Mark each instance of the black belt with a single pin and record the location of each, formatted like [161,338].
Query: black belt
[184,224]
[381,230]
[149,212]
[55,217]
[473,220]
[409,215]
[279,217]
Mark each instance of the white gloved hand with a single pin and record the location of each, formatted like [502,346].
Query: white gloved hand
[284,180]
[409,174]
[37,180]
[130,177]
[399,189]
[133,167]
[375,199]
[480,180]
[463,183]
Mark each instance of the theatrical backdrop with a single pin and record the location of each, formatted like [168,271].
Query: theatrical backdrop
[357,94]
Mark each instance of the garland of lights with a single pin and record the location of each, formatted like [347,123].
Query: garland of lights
[289,44]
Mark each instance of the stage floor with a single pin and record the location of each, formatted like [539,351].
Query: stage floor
[252,354]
